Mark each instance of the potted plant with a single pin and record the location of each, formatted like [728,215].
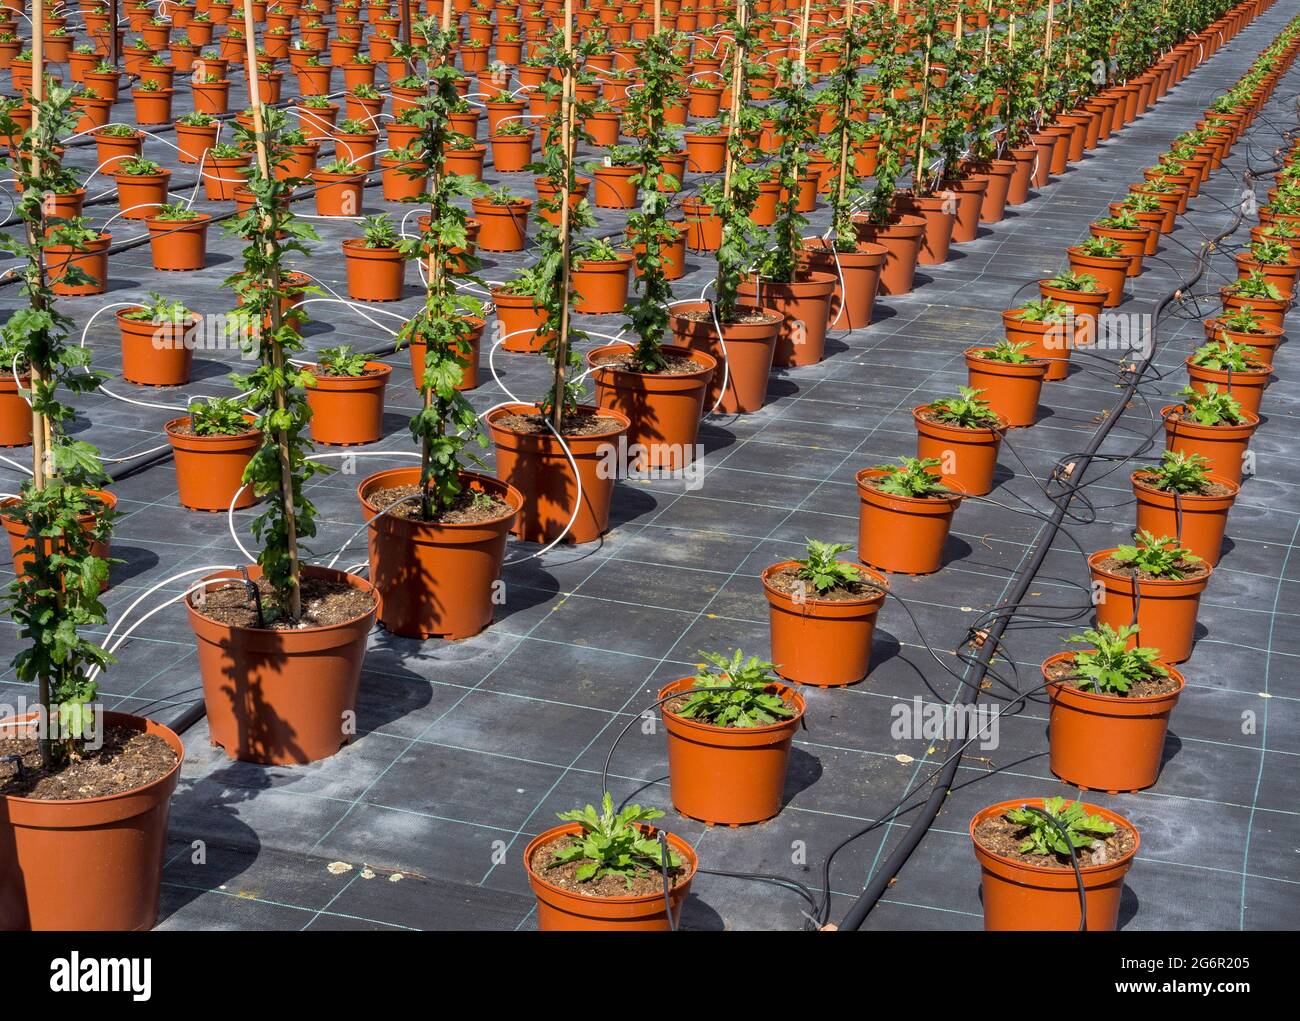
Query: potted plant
[280,666]
[504,220]
[225,170]
[661,389]
[340,188]
[346,397]
[212,447]
[1110,710]
[1179,497]
[904,514]
[823,615]
[178,237]
[156,341]
[1236,369]
[560,454]
[196,133]
[1102,259]
[1257,294]
[1028,849]
[1211,423]
[1086,299]
[609,871]
[963,434]
[1274,261]
[1155,583]
[76,257]
[141,188]
[1010,379]
[1244,326]
[1045,327]
[64,798]
[438,533]
[729,732]
[376,265]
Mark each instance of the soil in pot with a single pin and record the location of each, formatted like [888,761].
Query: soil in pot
[969,456]
[743,353]
[1103,741]
[347,410]
[821,638]
[210,469]
[277,692]
[106,813]
[1197,520]
[902,534]
[1012,390]
[1164,609]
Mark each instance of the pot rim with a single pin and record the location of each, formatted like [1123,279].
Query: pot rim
[176,422]
[1000,807]
[686,683]
[1098,296]
[1265,369]
[1104,698]
[1251,423]
[877,578]
[681,351]
[954,497]
[958,430]
[523,408]
[679,844]
[509,493]
[1028,368]
[117,718]
[1095,558]
[1139,484]
[255,571]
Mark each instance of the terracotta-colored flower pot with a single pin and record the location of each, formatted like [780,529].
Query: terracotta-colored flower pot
[822,642]
[600,287]
[614,188]
[1247,386]
[664,410]
[347,410]
[705,154]
[139,196]
[969,193]
[1026,160]
[1109,273]
[562,910]
[1197,522]
[222,175]
[1106,742]
[1281,277]
[969,456]
[1020,897]
[805,306]
[1049,342]
[156,354]
[727,775]
[1086,306]
[1224,446]
[521,322]
[113,150]
[1165,609]
[504,228]
[511,154]
[901,240]
[857,278]
[374,274]
[538,467]
[22,547]
[1012,391]
[114,844]
[703,226]
[997,175]
[902,534]
[179,245]
[338,194]
[1272,311]
[939,214]
[15,412]
[210,469]
[467,358]
[436,579]
[281,697]
[743,354]
[91,257]
[1132,243]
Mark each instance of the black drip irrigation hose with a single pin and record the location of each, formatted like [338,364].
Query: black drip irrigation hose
[969,691]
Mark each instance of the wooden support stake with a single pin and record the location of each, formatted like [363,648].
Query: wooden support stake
[567,101]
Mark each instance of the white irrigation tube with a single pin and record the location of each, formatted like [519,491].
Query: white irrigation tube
[230,524]
[17,464]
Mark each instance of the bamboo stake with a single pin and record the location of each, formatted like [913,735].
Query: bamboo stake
[567,102]
[737,80]
[277,355]
[925,117]
[803,33]
[988,30]
[404,12]
[846,112]
[659,16]
[40,427]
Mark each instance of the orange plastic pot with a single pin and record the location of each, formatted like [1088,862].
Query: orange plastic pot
[1165,609]
[179,245]
[743,355]
[996,175]
[511,153]
[281,697]
[822,642]
[521,322]
[1109,273]
[1026,160]
[969,194]
[222,175]
[139,196]
[91,257]
[1224,446]
[1086,306]
[15,412]
[194,140]
[614,187]
[1281,277]
[467,358]
[1132,243]
[805,305]
[22,547]
[337,194]
[114,844]
[114,150]
[1049,342]
[347,410]
[901,240]
[727,775]
[1107,742]
[705,154]
[210,469]
[435,579]
[374,274]
[504,228]
[969,456]
[156,354]
[1039,898]
[1272,311]
[561,910]
[1011,390]
[902,534]
[1265,340]
[538,467]
[703,226]
[1197,522]
[599,286]
[857,278]
[939,216]
[1247,387]
[663,410]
